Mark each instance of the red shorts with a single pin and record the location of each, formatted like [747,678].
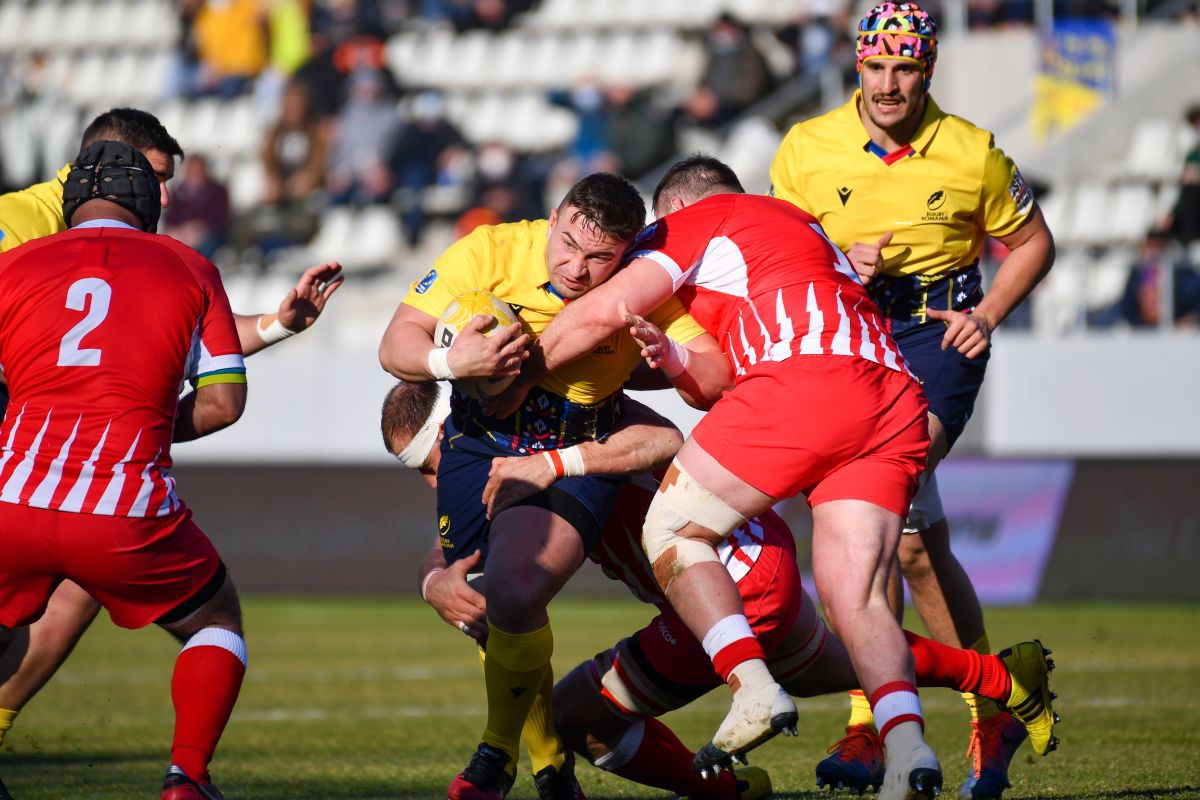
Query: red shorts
[138,568]
[663,667]
[831,427]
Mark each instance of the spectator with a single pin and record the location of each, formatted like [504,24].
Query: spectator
[320,78]
[184,79]
[231,42]
[505,184]
[294,152]
[363,137]
[423,154]
[639,130]
[735,76]
[591,143]
[198,214]
[1141,305]
[288,49]
[293,158]
[1185,217]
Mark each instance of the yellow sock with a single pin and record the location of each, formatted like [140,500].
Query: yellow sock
[6,721]
[513,672]
[981,707]
[860,709]
[541,740]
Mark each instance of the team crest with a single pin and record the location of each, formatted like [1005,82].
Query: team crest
[423,285]
[936,200]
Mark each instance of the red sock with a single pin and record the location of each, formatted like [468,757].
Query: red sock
[204,688]
[937,664]
[662,761]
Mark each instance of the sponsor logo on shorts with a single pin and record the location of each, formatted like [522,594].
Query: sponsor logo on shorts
[665,632]
[844,193]
[423,286]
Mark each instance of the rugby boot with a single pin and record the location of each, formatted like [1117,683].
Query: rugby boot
[753,783]
[178,786]
[912,772]
[487,776]
[1030,699]
[994,742]
[757,715]
[855,762]
[559,784]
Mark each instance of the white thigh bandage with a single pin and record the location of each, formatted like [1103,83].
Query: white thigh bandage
[926,506]
[674,506]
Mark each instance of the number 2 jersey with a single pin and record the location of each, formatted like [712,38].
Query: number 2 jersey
[762,277]
[99,327]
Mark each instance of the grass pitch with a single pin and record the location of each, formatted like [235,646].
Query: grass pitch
[356,698]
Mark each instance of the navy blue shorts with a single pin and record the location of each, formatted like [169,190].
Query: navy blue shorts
[950,380]
[463,527]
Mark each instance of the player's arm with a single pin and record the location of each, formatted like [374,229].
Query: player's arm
[642,286]
[699,371]
[1031,254]
[210,408]
[409,352]
[297,312]
[446,589]
[641,442]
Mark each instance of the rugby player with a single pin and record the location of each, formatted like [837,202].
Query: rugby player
[534,545]
[85,491]
[911,194]
[34,653]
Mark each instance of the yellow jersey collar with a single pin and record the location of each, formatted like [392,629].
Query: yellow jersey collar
[930,122]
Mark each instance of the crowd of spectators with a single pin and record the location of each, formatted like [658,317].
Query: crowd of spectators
[345,132]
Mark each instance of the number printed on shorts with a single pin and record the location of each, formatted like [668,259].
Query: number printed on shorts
[70,354]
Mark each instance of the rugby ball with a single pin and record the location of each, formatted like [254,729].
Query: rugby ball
[450,324]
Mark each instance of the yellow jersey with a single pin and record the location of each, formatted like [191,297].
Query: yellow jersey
[32,213]
[510,261]
[940,202]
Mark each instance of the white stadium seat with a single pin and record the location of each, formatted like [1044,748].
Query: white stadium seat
[1090,221]
[1106,277]
[1133,213]
[1153,151]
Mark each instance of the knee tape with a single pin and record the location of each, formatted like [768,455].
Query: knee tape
[926,506]
[677,503]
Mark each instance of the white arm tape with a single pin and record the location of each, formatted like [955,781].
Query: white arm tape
[275,332]
[572,461]
[677,359]
[439,364]
[425,582]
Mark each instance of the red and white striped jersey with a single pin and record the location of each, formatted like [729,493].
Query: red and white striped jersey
[761,276]
[619,551]
[99,327]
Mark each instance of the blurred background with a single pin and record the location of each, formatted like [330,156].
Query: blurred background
[375,132]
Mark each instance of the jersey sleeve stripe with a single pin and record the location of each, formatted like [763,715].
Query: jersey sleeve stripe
[664,261]
[221,376]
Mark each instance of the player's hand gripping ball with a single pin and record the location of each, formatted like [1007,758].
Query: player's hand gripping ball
[462,310]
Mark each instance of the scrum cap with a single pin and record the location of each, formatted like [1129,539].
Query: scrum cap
[113,171]
[898,30]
